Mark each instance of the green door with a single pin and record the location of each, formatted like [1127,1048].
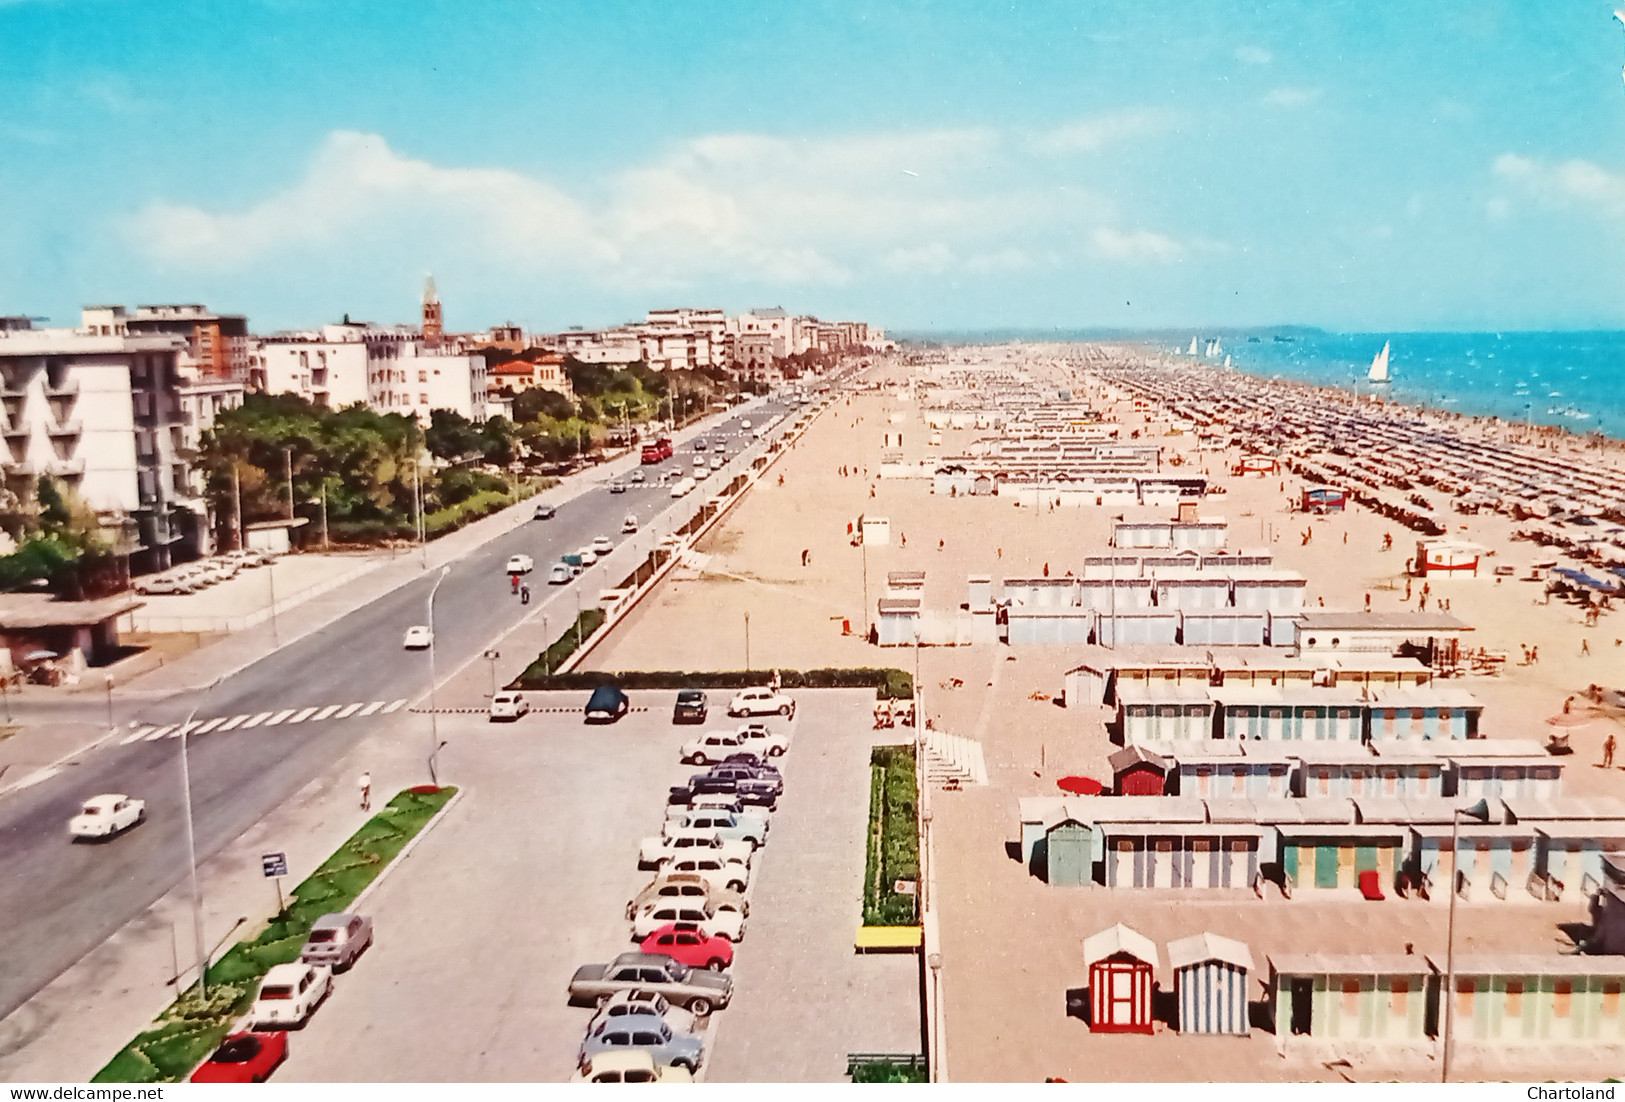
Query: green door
[1325,866]
[1070,853]
[1289,862]
[1365,858]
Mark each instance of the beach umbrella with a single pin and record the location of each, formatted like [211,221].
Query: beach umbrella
[1080,786]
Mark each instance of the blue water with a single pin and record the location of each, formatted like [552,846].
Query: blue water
[1574,380]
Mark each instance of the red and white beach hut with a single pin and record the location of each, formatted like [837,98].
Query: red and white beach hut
[1447,556]
[1121,964]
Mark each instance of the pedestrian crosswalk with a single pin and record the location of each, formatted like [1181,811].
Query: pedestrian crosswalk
[152,732]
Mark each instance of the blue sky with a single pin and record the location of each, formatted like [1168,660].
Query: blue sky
[1358,165]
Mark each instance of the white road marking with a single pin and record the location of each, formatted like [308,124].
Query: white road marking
[326,712]
[394,706]
[162,732]
[257,720]
[136,735]
[210,725]
[304,714]
[279,717]
[234,721]
[371,708]
[347,711]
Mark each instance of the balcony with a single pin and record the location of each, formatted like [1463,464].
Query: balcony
[63,388]
[17,430]
[70,427]
[65,468]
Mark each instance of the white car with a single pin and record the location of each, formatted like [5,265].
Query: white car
[418,637]
[603,545]
[163,583]
[719,873]
[728,924]
[637,475]
[716,462]
[659,848]
[629,1065]
[509,705]
[559,574]
[588,556]
[629,525]
[520,564]
[106,815]
[756,738]
[650,1003]
[289,994]
[699,462]
[744,424]
[711,746]
[761,701]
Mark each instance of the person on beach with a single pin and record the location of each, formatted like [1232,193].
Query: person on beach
[1368,602]
[806,555]
[1407,589]
[1608,745]
[1585,648]
[1387,541]
[941,545]
[1534,656]
[1568,704]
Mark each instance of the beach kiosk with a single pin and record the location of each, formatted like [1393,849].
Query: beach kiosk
[1210,983]
[1138,771]
[1121,963]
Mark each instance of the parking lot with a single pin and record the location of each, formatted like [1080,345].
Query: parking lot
[480,930]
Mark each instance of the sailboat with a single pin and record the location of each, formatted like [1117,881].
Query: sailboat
[1227,359]
[1192,351]
[1379,366]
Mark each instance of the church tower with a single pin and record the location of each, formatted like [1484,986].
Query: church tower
[433,329]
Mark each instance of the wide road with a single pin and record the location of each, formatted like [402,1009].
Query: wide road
[265,731]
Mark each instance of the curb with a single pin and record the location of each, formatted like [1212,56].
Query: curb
[46,772]
[406,850]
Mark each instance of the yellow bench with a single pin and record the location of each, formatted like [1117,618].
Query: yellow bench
[887,939]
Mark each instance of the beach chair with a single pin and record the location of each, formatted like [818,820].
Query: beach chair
[1370,885]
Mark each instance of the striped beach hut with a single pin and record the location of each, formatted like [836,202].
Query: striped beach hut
[1121,964]
[1210,983]
[1332,996]
[1538,999]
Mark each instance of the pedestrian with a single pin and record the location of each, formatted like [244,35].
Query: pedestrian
[1534,656]
[1525,647]
[781,480]
[941,545]
[1345,537]
[1368,602]
[1407,589]
[514,579]
[903,536]
[1608,745]
[1422,603]
[1001,552]
[365,784]
[806,554]
[1585,647]
[1046,570]
[524,594]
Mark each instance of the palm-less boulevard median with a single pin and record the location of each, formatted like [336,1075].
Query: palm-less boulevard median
[60,901]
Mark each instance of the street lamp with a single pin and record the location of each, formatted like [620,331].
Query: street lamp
[434,720]
[747,642]
[1481,813]
[191,845]
[491,655]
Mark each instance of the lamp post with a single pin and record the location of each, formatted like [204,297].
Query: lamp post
[1480,812]
[191,845]
[747,642]
[434,721]
[491,655]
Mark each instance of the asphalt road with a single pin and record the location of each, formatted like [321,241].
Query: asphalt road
[59,900]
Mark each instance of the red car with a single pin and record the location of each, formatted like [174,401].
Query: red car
[684,942]
[244,1058]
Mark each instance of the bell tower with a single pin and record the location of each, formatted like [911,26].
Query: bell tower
[433,329]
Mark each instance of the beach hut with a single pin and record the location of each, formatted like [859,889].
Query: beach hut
[1223,628]
[1224,769]
[1423,712]
[1202,534]
[1440,556]
[1137,771]
[1050,625]
[1191,592]
[1335,769]
[1338,997]
[1570,852]
[876,531]
[1210,983]
[1139,627]
[1121,963]
[1496,768]
[1289,713]
[1164,713]
[1160,850]
[1323,499]
[1126,594]
[897,621]
[1607,908]
[1519,999]
[1269,591]
[979,591]
[1408,770]
[1142,534]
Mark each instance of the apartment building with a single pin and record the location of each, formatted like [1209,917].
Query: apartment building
[409,378]
[216,344]
[546,372]
[388,368]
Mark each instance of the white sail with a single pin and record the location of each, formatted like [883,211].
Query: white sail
[1379,366]
[1227,359]
[1217,350]
[1192,352]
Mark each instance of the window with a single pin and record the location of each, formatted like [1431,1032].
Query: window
[423,398]
[1514,1007]
[423,376]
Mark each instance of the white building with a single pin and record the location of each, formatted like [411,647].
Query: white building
[390,369]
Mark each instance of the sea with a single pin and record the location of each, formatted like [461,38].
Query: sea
[1574,380]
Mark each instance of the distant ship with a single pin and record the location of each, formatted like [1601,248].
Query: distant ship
[1379,366]
[1252,340]
[1278,339]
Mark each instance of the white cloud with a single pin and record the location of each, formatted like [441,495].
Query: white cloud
[1253,55]
[1292,97]
[1134,244]
[1092,134]
[1497,209]
[1566,184]
[741,207]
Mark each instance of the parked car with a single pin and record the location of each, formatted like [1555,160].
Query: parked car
[641,1031]
[744,424]
[544,511]
[616,486]
[689,888]
[520,564]
[697,990]
[159,584]
[761,701]
[755,736]
[762,794]
[588,556]
[559,574]
[715,869]
[699,463]
[336,940]
[727,777]
[630,1065]
[417,637]
[106,815]
[649,1004]
[675,843]
[728,924]
[717,462]
[244,1058]
[290,994]
[719,801]
[509,705]
[602,545]
[629,526]
[730,826]
[607,704]
[690,945]
[692,706]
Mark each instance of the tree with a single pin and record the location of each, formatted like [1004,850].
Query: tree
[52,508]
[451,435]
[536,403]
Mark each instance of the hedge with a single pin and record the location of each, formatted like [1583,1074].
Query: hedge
[192,1028]
[890,684]
[893,846]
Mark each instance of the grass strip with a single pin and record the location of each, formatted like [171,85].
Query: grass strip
[893,847]
[191,1027]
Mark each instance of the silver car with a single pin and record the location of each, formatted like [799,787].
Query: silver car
[645,1031]
[337,940]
